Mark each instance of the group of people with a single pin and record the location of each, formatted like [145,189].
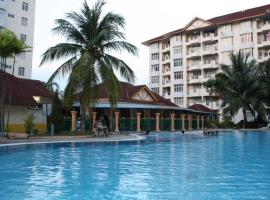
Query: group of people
[102,126]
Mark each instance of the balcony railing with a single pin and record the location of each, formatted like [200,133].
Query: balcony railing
[166,81]
[165,70]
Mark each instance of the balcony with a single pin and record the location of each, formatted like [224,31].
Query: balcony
[166,82]
[210,65]
[193,53]
[210,51]
[207,77]
[166,48]
[209,38]
[166,69]
[263,27]
[192,41]
[166,59]
[194,93]
[167,95]
[195,80]
[194,66]
[263,42]
[264,56]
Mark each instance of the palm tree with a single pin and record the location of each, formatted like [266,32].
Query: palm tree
[265,79]
[239,87]
[6,46]
[18,48]
[91,37]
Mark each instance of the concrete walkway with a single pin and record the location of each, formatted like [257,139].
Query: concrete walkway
[59,139]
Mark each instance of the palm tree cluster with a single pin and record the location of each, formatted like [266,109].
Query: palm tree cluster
[10,47]
[243,85]
[90,36]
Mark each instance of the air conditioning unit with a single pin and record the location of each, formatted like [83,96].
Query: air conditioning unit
[36,107]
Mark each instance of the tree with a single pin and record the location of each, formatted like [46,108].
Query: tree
[6,51]
[91,36]
[6,46]
[10,46]
[56,116]
[18,48]
[239,87]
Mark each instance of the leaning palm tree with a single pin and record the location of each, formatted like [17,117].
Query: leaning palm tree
[239,87]
[91,37]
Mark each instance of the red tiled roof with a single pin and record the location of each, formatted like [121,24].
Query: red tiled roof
[244,14]
[200,108]
[236,16]
[128,90]
[21,91]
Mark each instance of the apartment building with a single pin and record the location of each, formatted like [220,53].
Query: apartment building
[19,17]
[182,60]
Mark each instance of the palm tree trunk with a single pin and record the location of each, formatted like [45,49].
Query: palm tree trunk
[5,64]
[245,118]
[82,107]
[8,111]
[13,66]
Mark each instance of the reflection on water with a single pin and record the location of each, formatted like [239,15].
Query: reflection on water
[165,166]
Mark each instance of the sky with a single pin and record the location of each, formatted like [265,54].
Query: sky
[145,19]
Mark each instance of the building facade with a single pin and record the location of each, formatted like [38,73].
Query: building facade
[19,17]
[138,109]
[21,98]
[182,60]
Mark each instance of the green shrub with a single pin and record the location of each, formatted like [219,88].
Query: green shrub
[56,118]
[7,130]
[29,124]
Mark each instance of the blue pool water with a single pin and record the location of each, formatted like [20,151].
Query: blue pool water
[234,165]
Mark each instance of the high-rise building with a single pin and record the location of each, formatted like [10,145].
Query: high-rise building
[19,17]
[182,60]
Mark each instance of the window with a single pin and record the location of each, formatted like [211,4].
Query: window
[21,71]
[155,56]
[245,25]
[226,29]
[246,38]
[178,88]
[178,75]
[179,100]
[225,57]
[177,50]
[2,15]
[178,38]
[24,21]
[25,6]
[1,28]
[178,62]
[46,109]
[22,55]
[11,15]
[248,51]
[155,46]
[155,79]
[6,66]
[155,90]
[155,68]
[227,42]
[23,37]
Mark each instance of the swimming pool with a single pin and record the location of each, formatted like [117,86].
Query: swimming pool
[234,165]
